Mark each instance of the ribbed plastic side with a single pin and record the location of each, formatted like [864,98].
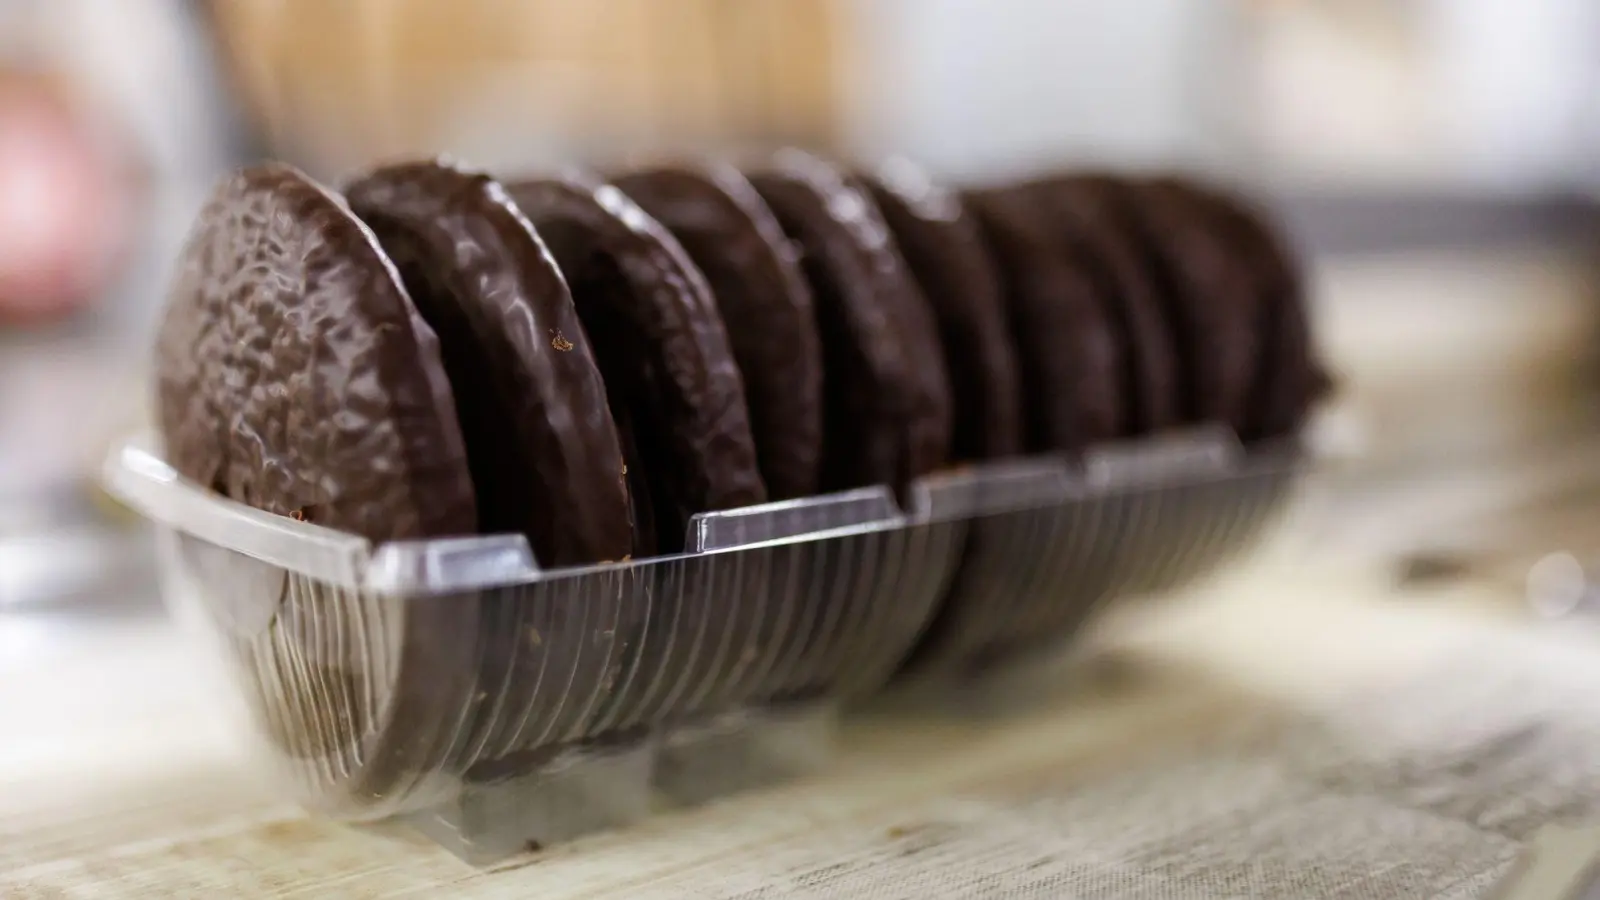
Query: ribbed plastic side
[497,704]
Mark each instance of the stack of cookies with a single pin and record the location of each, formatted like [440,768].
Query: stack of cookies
[432,352]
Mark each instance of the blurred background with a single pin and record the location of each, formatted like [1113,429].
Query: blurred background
[1438,161]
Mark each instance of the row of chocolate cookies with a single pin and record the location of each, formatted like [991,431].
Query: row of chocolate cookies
[1113,307]
[434,352]
[407,360]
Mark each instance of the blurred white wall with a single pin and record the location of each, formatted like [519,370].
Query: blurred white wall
[1519,83]
[1485,95]
[975,88]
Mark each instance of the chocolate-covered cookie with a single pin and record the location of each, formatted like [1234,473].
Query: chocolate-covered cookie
[670,376]
[1094,227]
[543,449]
[886,395]
[1207,297]
[945,250]
[1288,378]
[733,238]
[1068,350]
[294,374]
[545,454]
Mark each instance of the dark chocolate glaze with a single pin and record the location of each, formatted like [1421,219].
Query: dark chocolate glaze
[670,376]
[945,250]
[544,451]
[293,373]
[1095,229]
[733,238]
[1067,348]
[1289,378]
[1208,300]
[886,395]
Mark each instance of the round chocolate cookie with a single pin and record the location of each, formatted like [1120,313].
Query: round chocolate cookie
[886,395]
[1095,229]
[1207,297]
[1068,348]
[945,250]
[543,449]
[545,454]
[1288,378]
[735,241]
[294,375]
[673,386]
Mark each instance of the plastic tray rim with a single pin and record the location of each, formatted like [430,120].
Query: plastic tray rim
[136,474]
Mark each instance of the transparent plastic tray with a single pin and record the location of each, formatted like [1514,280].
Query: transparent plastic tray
[1047,543]
[498,705]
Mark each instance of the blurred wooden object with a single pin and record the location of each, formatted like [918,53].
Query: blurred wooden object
[333,83]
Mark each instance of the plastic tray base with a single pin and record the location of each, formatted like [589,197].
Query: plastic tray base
[578,793]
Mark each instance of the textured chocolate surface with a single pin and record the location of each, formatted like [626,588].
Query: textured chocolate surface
[733,238]
[1288,378]
[945,250]
[545,454]
[293,373]
[1208,300]
[544,451]
[886,395]
[1095,229]
[1067,348]
[670,376]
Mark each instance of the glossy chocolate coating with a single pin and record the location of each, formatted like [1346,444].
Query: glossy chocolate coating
[1095,229]
[670,377]
[1067,348]
[294,375]
[1208,299]
[733,238]
[886,395]
[544,451]
[1288,378]
[945,249]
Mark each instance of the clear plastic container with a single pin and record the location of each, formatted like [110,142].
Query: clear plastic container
[1131,520]
[498,705]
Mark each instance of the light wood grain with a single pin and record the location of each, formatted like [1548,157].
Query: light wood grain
[343,81]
